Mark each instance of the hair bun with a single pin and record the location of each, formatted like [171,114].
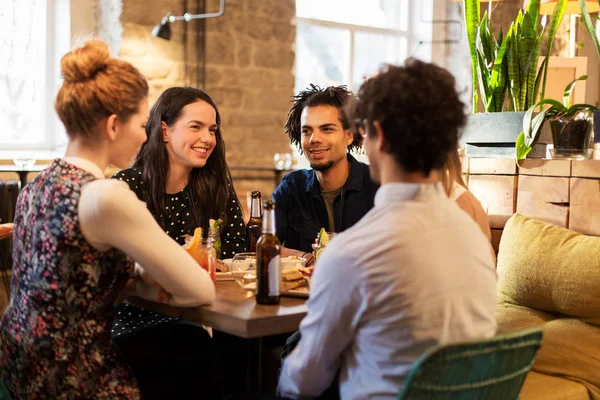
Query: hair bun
[83,63]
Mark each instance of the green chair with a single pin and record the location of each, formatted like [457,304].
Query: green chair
[490,369]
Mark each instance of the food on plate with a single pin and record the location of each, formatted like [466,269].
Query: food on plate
[293,278]
[222,267]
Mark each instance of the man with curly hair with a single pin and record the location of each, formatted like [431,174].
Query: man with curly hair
[337,191]
[416,271]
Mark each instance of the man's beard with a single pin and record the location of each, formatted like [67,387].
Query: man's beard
[322,167]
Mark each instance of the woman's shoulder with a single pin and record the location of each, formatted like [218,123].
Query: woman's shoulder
[457,191]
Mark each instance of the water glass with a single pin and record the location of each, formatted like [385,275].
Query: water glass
[243,270]
[279,161]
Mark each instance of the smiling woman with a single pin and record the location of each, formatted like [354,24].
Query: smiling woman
[181,174]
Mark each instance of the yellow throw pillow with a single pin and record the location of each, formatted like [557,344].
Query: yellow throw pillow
[549,268]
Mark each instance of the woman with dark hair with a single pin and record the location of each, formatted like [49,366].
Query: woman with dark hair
[181,172]
[182,175]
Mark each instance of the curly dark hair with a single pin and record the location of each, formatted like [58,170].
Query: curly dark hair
[419,111]
[335,96]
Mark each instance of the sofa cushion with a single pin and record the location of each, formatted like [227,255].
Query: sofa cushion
[549,268]
[570,348]
[538,386]
[512,318]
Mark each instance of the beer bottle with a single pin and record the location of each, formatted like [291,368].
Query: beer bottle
[268,260]
[253,229]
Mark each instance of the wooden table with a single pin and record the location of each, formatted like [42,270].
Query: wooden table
[235,312]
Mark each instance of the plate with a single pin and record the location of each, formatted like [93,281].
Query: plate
[223,276]
[300,292]
[285,261]
[227,262]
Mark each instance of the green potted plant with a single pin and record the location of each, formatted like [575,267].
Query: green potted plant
[571,126]
[506,76]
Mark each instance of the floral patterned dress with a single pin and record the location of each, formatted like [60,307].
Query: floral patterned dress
[55,337]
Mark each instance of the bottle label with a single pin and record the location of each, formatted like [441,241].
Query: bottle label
[274,275]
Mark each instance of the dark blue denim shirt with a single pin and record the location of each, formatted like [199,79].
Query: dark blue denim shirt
[300,209]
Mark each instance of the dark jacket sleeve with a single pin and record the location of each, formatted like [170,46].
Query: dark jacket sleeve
[281,196]
[233,235]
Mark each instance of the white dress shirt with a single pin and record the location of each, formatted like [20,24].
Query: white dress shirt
[415,272]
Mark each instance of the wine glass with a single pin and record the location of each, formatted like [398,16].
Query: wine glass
[243,270]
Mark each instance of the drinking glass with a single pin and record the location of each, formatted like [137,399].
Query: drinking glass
[318,249]
[287,161]
[216,238]
[279,161]
[206,256]
[243,270]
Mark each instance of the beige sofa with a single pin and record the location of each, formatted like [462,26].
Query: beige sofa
[550,277]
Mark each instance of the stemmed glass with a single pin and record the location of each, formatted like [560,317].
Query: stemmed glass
[243,270]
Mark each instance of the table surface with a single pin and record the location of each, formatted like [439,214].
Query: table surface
[235,311]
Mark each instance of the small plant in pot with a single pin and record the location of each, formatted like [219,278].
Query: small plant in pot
[571,126]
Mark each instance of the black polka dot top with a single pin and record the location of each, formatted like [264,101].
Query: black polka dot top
[177,220]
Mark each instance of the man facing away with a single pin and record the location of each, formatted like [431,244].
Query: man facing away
[338,191]
[416,271]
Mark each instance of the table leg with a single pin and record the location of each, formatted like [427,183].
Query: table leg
[254,368]
[23,178]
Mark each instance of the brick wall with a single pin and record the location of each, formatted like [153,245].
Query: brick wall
[248,71]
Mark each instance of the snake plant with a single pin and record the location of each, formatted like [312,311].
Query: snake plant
[509,65]
[589,25]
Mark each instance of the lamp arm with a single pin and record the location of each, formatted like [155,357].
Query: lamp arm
[187,17]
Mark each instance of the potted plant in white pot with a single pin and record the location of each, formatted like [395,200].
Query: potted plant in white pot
[571,126]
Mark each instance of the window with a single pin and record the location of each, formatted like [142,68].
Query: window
[34,34]
[340,42]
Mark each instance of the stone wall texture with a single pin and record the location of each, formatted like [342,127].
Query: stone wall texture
[248,65]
